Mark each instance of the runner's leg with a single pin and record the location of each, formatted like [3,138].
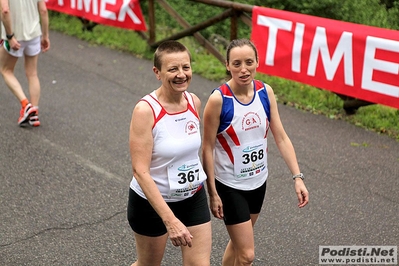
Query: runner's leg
[199,254]
[150,250]
[33,79]
[240,250]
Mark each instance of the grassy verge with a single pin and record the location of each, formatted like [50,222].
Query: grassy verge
[378,118]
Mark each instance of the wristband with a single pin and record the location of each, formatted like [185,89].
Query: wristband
[300,175]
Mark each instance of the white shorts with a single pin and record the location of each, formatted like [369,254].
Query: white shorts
[29,48]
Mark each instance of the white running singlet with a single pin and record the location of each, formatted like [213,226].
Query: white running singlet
[241,145]
[175,164]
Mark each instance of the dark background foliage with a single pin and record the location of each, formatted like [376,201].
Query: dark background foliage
[378,13]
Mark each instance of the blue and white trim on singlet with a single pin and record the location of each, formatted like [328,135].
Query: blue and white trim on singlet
[241,124]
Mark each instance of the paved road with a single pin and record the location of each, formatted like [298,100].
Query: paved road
[64,186]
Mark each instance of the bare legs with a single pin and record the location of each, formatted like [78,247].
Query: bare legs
[7,66]
[33,79]
[240,250]
[150,250]
[200,252]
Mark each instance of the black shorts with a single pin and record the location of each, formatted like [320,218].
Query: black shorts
[145,221]
[239,204]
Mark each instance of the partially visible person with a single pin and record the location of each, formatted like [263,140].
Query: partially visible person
[237,119]
[167,198]
[25,31]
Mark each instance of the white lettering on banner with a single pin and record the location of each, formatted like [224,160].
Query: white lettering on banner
[86,4]
[104,13]
[297,48]
[125,9]
[344,49]
[274,25]
[91,6]
[371,64]
[330,64]
[346,58]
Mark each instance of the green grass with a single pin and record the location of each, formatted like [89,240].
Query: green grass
[378,118]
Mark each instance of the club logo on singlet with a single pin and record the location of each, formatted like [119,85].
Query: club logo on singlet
[250,121]
[191,128]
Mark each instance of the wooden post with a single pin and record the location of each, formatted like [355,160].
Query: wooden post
[193,29]
[198,36]
[151,18]
[234,26]
[227,4]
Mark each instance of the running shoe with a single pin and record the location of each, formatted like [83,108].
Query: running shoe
[25,113]
[34,119]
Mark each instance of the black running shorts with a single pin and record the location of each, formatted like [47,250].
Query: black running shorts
[239,204]
[145,221]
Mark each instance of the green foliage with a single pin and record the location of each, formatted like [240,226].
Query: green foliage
[194,13]
[370,12]
[381,119]
[378,13]
[116,38]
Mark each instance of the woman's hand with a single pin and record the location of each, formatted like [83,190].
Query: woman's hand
[14,44]
[216,206]
[301,192]
[178,233]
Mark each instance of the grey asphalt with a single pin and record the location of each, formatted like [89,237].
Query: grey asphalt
[64,185]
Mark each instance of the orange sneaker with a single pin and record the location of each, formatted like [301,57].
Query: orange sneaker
[34,119]
[25,114]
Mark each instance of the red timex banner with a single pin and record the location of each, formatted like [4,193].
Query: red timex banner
[118,13]
[346,58]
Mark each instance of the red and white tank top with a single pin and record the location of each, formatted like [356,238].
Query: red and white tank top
[175,164]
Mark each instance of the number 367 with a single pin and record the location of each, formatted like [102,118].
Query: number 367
[189,176]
